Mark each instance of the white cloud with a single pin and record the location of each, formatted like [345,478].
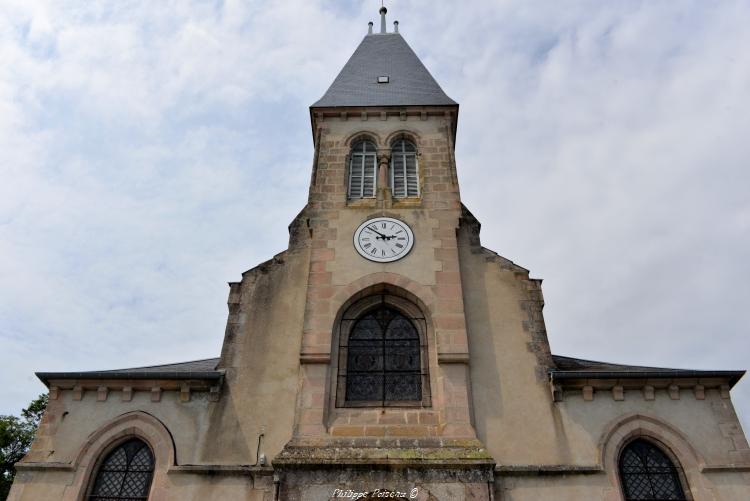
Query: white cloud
[153,152]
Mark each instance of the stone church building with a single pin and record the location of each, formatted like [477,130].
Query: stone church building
[386,354]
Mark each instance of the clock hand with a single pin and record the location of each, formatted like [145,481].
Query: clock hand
[376,231]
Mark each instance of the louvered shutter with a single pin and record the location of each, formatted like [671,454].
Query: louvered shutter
[362,170]
[399,176]
[404,172]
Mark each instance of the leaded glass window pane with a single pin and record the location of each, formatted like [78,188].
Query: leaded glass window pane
[125,474]
[404,174]
[362,170]
[383,359]
[648,474]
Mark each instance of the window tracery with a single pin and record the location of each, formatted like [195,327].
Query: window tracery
[382,360]
[125,474]
[647,474]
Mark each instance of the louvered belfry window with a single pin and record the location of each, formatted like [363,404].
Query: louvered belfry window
[648,474]
[382,361]
[404,175]
[363,168]
[125,474]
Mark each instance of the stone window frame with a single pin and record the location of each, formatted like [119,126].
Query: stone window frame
[136,424]
[674,444]
[383,145]
[359,307]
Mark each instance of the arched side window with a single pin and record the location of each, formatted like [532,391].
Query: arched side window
[382,360]
[404,174]
[648,474]
[125,473]
[363,170]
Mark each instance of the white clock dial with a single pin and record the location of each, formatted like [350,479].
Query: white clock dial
[383,239]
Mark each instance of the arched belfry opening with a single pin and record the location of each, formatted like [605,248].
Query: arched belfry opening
[381,347]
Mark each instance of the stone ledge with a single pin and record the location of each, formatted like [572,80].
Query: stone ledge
[546,469]
[412,453]
[221,469]
[723,468]
[44,466]
[315,358]
[453,358]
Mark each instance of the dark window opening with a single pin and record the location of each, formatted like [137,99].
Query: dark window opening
[648,474]
[125,474]
[383,361]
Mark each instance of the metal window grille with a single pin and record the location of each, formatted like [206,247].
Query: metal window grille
[648,474]
[383,361]
[125,474]
[362,170]
[404,173]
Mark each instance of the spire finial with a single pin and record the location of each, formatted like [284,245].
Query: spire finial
[395,26]
[383,11]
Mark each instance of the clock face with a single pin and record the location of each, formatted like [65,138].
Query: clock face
[383,239]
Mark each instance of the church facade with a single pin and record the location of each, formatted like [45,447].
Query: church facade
[387,354]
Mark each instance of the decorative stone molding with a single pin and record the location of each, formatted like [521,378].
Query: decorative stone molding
[214,394]
[156,394]
[668,386]
[453,358]
[648,392]
[101,394]
[700,392]
[363,135]
[127,394]
[724,391]
[127,387]
[674,392]
[588,393]
[557,392]
[618,393]
[185,393]
[315,358]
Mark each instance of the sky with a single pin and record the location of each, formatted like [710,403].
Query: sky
[150,152]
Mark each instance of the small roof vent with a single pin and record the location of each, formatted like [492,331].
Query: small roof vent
[384,79]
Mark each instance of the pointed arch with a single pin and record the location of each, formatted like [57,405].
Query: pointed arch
[380,350]
[667,438]
[129,426]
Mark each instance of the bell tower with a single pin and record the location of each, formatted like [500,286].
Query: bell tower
[381,225]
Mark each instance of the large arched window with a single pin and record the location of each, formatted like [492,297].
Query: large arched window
[382,360]
[648,474]
[125,474]
[404,175]
[363,170]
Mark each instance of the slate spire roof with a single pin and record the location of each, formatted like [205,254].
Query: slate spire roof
[384,55]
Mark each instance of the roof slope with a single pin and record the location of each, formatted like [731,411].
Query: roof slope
[196,369]
[575,368]
[384,54]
